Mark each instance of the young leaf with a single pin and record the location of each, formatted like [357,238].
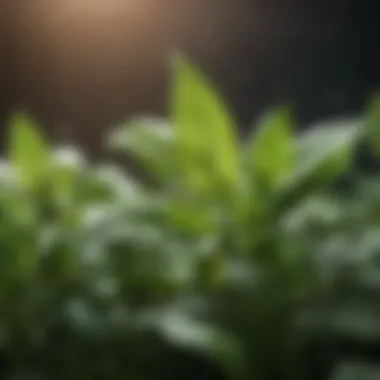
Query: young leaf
[152,143]
[204,127]
[28,151]
[322,155]
[271,153]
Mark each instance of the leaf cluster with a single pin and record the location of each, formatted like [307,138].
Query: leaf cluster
[223,266]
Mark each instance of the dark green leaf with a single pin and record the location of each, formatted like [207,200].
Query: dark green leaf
[212,342]
[356,370]
[373,124]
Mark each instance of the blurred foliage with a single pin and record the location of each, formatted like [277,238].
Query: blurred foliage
[224,266]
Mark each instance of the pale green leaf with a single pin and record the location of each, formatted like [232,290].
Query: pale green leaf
[322,154]
[29,153]
[152,143]
[205,130]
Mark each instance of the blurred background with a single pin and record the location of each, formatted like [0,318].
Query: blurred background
[81,65]
[103,276]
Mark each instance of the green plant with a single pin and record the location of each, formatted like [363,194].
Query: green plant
[211,265]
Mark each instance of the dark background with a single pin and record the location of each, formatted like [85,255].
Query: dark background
[71,71]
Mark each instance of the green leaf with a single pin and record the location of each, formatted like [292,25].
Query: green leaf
[322,154]
[207,139]
[373,124]
[68,164]
[354,370]
[216,344]
[271,153]
[29,153]
[192,218]
[152,143]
